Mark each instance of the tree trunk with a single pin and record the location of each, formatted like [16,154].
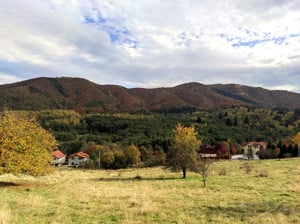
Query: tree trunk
[184,172]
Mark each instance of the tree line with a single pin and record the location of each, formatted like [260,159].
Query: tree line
[26,147]
[155,131]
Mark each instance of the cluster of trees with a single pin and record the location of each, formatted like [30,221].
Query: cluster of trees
[155,131]
[243,124]
[113,156]
[124,140]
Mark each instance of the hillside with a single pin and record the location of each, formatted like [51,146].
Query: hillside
[85,96]
[260,97]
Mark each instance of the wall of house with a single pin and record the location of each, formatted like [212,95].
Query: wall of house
[76,160]
[60,161]
[254,149]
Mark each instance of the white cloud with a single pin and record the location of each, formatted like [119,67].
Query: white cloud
[153,43]
[292,88]
[7,78]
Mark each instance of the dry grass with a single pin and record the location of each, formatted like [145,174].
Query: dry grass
[270,193]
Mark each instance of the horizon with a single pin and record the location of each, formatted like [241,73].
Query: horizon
[69,77]
[153,44]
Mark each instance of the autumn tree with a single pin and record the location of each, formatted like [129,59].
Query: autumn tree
[107,157]
[297,142]
[183,153]
[25,147]
[132,154]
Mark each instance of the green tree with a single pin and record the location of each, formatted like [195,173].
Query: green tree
[183,153]
[25,147]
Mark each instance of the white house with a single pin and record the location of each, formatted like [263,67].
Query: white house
[58,157]
[77,158]
[251,148]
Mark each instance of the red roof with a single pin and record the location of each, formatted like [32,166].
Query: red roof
[58,154]
[79,154]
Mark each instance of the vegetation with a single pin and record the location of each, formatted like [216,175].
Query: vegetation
[183,153]
[202,167]
[239,192]
[87,97]
[270,193]
[25,147]
[155,131]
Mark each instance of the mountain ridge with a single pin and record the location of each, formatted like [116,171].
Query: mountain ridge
[83,96]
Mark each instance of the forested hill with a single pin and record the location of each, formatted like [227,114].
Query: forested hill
[85,96]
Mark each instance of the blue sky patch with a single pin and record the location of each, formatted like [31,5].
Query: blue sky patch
[117,33]
[237,42]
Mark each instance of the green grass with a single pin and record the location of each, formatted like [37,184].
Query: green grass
[268,193]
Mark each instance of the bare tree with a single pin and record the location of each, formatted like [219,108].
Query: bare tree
[203,168]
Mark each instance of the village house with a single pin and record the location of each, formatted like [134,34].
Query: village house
[207,151]
[78,158]
[251,148]
[59,157]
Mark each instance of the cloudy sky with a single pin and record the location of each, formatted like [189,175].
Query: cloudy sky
[153,43]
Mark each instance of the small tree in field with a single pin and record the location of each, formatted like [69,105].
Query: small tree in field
[25,147]
[183,153]
[203,168]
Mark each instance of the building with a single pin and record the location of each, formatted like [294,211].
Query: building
[207,152]
[59,158]
[251,148]
[78,158]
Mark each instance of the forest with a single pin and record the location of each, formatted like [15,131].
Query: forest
[154,132]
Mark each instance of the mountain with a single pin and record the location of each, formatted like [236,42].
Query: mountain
[259,97]
[85,96]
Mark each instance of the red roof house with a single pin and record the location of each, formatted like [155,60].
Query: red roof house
[58,157]
[79,157]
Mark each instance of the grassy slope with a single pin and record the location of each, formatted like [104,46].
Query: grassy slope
[270,193]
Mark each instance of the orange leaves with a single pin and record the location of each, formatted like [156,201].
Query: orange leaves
[297,138]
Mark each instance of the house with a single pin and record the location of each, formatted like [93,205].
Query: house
[220,151]
[207,151]
[59,158]
[251,148]
[78,158]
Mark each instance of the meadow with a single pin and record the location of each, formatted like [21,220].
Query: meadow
[265,191]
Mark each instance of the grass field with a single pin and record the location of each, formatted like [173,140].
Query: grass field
[237,192]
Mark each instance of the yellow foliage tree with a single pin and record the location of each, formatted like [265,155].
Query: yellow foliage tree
[25,147]
[297,138]
[183,154]
[133,155]
[297,141]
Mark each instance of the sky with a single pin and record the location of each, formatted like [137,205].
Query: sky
[153,43]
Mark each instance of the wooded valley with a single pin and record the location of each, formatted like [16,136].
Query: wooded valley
[154,132]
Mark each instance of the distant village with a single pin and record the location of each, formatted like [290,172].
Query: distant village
[205,151]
